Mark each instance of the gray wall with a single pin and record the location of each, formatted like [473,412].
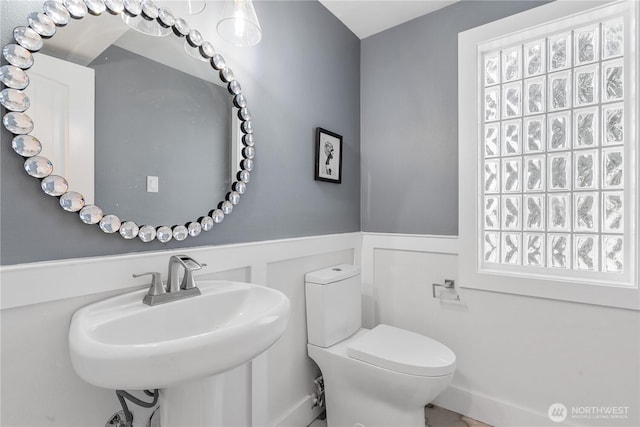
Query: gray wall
[409,107]
[305,73]
[151,119]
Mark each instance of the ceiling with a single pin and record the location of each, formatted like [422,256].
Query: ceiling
[368,17]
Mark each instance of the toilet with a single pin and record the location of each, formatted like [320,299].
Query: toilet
[380,377]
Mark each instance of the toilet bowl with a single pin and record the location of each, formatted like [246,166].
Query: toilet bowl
[382,377]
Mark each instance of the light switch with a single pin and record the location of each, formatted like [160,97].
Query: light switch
[152,184]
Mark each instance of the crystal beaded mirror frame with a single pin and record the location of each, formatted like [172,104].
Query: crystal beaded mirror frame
[14,78]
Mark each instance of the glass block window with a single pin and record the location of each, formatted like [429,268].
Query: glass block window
[554,148]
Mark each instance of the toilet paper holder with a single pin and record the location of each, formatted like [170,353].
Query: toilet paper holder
[448,284]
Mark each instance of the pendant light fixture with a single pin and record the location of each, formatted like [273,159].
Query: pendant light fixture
[239,23]
[142,15]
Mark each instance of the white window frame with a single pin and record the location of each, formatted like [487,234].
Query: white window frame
[590,289]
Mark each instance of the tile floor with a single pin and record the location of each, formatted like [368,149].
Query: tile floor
[435,416]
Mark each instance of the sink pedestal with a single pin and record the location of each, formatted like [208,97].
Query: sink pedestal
[195,403]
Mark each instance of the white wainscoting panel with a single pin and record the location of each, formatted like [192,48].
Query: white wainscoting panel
[516,355]
[40,388]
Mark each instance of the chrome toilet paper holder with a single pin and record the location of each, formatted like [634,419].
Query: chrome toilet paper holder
[448,284]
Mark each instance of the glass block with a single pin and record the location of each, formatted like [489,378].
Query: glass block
[613,124]
[534,58]
[559,91]
[558,250]
[612,38]
[559,129]
[534,170]
[510,248]
[559,216]
[612,168]
[492,69]
[491,140]
[612,80]
[586,45]
[534,212]
[612,253]
[535,131]
[511,64]
[534,99]
[491,104]
[559,51]
[511,100]
[511,175]
[586,85]
[613,212]
[585,127]
[585,207]
[492,213]
[534,249]
[585,169]
[511,213]
[585,252]
[491,176]
[511,138]
[559,171]
[491,248]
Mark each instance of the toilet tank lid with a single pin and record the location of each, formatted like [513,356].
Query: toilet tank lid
[332,274]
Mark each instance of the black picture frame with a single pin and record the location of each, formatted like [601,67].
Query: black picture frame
[328,156]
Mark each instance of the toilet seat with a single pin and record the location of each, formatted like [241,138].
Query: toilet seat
[403,351]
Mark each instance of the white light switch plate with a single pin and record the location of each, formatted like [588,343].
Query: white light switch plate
[152,184]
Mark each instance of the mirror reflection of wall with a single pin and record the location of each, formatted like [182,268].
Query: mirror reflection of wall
[158,113]
[153,120]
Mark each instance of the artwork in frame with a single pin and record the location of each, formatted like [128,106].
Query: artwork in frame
[328,156]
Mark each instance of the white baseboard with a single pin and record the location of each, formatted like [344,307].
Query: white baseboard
[300,415]
[490,410]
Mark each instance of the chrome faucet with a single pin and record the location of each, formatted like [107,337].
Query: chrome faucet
[174,290]
[190,265]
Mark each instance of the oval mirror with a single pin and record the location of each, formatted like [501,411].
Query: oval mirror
[164,117]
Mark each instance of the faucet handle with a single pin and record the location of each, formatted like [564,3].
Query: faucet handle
[156,287]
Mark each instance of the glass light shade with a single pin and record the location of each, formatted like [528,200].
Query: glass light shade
[188,7]
[239,24]
[149,27]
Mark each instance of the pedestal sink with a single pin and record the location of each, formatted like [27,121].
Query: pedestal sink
[121,343]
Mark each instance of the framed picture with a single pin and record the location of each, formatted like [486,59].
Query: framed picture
[328,156]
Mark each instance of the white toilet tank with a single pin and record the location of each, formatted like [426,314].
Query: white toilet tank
[334,309]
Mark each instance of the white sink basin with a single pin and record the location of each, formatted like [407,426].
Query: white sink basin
[121,343]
